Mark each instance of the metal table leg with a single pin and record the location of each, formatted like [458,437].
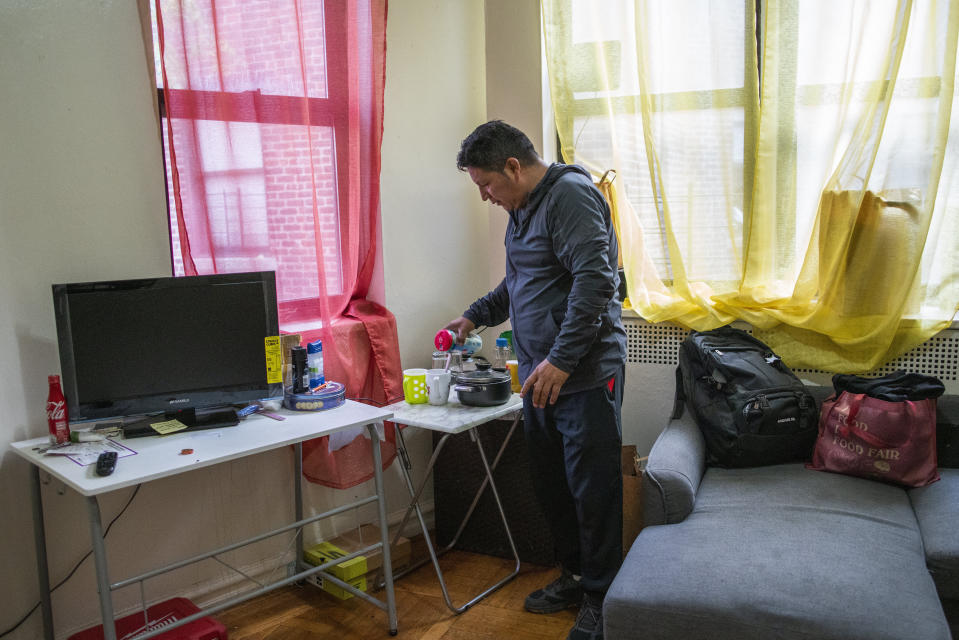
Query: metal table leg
[100,562]
[40,540]
[488,479]
[414,506]
[502,514]
[298,503]
[384,528]
[429,468]
[380,497]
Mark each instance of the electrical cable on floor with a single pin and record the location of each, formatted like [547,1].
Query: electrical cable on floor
[75,567]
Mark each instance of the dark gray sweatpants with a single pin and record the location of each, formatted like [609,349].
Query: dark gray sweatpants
[574,451]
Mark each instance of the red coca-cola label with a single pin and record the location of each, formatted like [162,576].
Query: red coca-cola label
[56,410]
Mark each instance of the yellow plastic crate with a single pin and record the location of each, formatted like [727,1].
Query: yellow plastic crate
[352,571]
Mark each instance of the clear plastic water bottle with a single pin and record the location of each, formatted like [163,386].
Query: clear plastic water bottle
[502,354]
[314,362]
[445,340]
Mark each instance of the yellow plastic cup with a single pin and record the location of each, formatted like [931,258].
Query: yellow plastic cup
[513,367]
[414,386]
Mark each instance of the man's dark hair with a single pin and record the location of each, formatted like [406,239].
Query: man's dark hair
[492,144]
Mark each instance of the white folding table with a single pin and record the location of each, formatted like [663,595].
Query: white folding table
[450,419]
[160,456]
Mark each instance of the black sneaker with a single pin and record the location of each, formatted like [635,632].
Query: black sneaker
[558,595]
[589,622]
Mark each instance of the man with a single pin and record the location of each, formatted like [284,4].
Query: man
[560,294]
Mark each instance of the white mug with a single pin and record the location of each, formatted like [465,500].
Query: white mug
[438,385]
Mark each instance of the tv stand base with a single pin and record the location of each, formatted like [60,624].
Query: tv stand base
[194,419]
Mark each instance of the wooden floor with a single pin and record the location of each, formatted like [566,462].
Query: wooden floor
[302,612]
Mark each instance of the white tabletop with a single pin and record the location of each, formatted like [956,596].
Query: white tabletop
[452,417]
[161,456]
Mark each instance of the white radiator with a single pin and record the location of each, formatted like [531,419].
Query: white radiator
[658,344]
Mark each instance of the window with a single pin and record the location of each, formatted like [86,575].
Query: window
[698,83]
[259,104]
[691,92]
[820,201]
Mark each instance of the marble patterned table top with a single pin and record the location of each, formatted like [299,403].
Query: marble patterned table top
[452,417]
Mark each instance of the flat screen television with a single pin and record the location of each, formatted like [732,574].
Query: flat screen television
[187,347]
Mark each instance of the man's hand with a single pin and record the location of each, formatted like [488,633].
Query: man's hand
[461,327]
[544,383]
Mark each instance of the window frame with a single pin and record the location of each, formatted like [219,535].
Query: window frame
[332,111]
[708,98]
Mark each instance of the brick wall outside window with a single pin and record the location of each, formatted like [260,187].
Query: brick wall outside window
[261,201]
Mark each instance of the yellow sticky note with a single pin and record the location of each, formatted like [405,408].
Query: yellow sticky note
[170,426]
[274,359]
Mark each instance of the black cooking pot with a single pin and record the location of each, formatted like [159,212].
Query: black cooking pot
[482,388]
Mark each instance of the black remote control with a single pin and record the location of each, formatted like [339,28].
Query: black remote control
[106,463]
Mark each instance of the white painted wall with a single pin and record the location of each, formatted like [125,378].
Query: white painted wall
[434,225]
[514,78]
[647,403]
[81,197]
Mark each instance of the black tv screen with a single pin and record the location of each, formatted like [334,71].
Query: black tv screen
[139,347]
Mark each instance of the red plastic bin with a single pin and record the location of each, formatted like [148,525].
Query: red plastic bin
[160,615]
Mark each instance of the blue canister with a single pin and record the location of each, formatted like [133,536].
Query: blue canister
[314,362]
[330,397]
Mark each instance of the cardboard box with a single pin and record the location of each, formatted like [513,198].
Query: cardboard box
[362,572]
[632,466]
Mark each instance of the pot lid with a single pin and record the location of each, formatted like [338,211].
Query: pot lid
[480,377]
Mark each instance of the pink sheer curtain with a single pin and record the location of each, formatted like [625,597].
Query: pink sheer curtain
[274,118]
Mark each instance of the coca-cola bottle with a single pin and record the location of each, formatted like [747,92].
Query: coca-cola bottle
[57,412]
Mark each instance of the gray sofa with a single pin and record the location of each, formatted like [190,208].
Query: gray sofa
[784,552]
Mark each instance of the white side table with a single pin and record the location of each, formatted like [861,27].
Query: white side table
[450,419]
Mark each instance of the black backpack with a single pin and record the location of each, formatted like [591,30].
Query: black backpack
[751,409]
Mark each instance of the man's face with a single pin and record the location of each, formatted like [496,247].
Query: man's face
[501,188]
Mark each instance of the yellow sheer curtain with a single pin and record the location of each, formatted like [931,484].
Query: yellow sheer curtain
[818,206]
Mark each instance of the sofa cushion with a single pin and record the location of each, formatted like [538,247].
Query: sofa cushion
[937,510]
[780,552]
[671,478]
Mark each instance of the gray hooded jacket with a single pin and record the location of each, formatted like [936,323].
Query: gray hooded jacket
[560,289]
